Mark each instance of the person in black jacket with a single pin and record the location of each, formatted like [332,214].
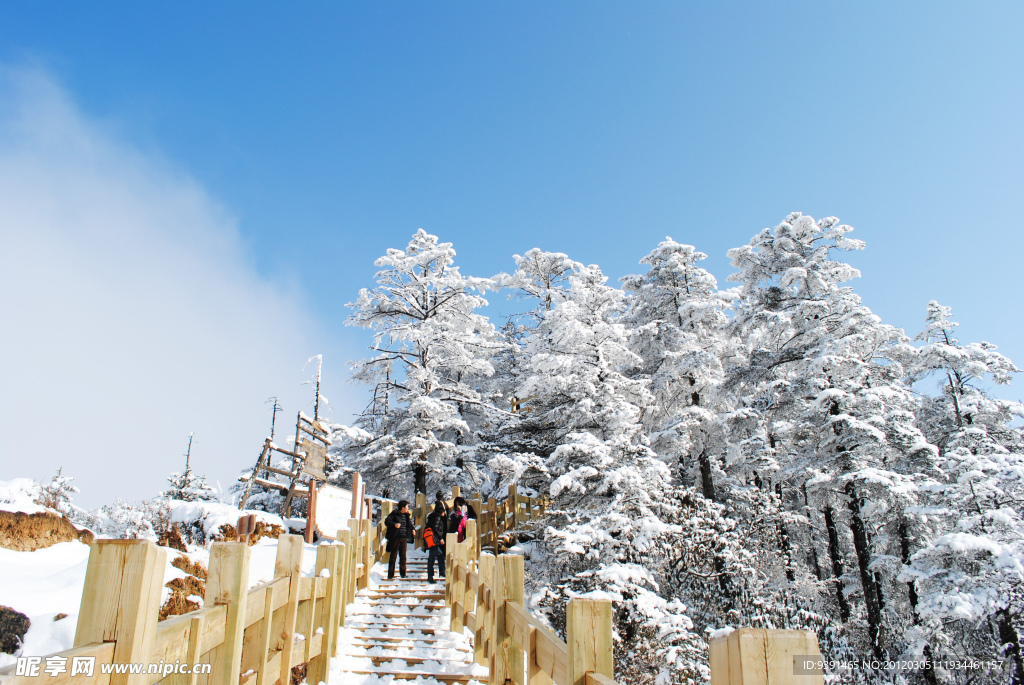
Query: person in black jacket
[400,532]
[434,535]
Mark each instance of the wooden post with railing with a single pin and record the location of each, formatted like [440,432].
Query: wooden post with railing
[328,612]
[458,559]
[513,501]
[451,545]
[484,614]
[289,565]
[755,655]
[347,591]
[120,601]
[227,583]
[588,637]
[509,579]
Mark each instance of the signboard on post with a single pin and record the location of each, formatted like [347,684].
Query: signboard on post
[316,459]
[333,510]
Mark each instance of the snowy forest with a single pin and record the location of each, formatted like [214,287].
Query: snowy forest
[770,455]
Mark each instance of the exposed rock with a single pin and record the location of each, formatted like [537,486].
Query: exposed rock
[13,626]
[28,532]
[194,584]
[60,617]
[172,538]
[263,530]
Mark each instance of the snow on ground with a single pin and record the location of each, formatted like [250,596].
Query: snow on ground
[19,494]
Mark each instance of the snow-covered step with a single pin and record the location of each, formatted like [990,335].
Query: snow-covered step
[399,629]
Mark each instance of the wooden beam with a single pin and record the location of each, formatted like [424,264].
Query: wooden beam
[588,631]
[508,661]
[288,564]
[121,600]
[228,584]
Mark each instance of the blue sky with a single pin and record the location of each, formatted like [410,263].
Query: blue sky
[321,134]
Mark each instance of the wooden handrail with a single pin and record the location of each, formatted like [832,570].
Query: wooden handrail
[485,594]
[121,599]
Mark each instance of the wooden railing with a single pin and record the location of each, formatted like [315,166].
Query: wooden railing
[246,636]
[485,593]
[256,636]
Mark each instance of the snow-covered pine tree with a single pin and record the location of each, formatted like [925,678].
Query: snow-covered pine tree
[188,486]
[515,450]
[968,571]
[431,347]
[822,407]
[677,323]
[57,493]
[582,400]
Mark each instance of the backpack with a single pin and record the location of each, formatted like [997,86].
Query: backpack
[428,537]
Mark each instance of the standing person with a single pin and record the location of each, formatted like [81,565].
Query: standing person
[433,535]
[440,506]
[400,532]
[458,518]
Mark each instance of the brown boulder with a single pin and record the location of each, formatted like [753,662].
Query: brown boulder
[13,626]
[28,532]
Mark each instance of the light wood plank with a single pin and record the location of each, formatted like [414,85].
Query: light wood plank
[588,629]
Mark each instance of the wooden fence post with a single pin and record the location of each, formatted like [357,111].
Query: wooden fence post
[347,579]
[468,594]
[327,557]
[228,583]
[367,551]
[456,492]
[513,499]
[360,575]
[451,545]
[492,523]
[756,655]
[588,637]
[458,594]
[121,600]
[473,538]
[484,620]
[288,564]
[508,663]
[477,505]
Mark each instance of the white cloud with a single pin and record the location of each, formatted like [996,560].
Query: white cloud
[131,314]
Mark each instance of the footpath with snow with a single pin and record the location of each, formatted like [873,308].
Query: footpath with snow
[397,630]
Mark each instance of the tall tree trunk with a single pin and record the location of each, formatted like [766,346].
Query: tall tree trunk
[929,669]
[784,546]
[707,480]
[811,548]
[724,581]
[837,561]
[1011,643]
[867,579]
[419,471]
